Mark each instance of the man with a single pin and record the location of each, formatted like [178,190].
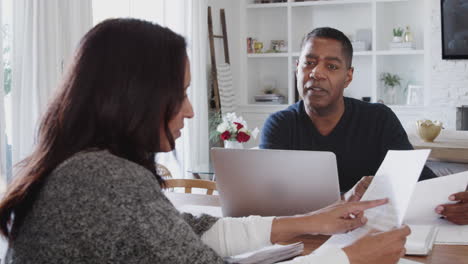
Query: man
[359,133]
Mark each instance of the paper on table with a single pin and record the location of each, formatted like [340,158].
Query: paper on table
[421,239]
[451,234]
[430,193]
[268,255]
[395,179]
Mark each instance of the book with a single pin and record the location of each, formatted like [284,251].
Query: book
[267,255]
[421,240]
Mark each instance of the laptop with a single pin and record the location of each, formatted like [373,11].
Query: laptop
[274,182]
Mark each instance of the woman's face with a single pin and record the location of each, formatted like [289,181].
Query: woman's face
[177,122]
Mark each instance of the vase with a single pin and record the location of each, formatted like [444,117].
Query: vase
[233,144]
[391,95]
[397,39]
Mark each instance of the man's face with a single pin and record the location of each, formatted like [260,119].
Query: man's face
[322,74]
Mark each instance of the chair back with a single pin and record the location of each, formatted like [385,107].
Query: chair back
[163,171]
[188,184]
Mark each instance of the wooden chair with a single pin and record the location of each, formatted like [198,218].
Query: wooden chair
[188,184]
[163,171]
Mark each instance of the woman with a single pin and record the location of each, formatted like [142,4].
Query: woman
[89,192]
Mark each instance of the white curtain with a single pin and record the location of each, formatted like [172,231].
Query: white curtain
[3,143]
[45,33]
[197,134]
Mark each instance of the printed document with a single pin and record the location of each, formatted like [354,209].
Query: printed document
[395,179]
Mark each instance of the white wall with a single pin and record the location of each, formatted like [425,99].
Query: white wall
[449,78]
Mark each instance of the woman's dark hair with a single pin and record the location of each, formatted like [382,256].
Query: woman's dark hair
[125,83]
[332,33]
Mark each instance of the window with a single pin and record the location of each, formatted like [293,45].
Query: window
[6,26]
[151,10]
[168,13]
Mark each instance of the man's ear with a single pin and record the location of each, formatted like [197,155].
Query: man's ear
[349,76]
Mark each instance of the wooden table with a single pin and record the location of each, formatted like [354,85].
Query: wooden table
[450,146]
[441,254]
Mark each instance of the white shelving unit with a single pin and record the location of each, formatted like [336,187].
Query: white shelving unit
[291,20]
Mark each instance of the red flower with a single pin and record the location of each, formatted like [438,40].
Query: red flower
[239,125]
[225,135]
[242,137]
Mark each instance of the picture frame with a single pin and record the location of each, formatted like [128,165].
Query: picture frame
[454,18]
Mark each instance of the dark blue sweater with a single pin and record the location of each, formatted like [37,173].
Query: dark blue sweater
[360,140]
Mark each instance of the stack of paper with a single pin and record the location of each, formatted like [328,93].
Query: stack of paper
[421,239]
[269,254]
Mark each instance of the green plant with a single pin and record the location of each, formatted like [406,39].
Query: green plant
[214,119]
[390,80]
[397,32]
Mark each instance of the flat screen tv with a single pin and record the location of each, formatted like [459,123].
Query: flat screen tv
[454,14]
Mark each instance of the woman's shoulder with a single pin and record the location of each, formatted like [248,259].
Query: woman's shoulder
[100,167]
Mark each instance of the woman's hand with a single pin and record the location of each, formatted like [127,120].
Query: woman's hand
[336,218]
[456,213]
[383,248]
[356,193]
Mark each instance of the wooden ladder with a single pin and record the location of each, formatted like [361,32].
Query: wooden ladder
[214,72]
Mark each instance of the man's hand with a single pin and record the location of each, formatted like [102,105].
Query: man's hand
[456,213]
[383,248]
[359,189]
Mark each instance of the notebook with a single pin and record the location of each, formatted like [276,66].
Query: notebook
[274,182]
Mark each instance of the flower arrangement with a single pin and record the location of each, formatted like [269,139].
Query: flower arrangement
[233,128]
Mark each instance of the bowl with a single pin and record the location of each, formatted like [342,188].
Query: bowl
[428,130]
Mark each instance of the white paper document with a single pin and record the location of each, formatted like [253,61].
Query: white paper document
[421,240]
[430,193]
[268,255]
[395,179]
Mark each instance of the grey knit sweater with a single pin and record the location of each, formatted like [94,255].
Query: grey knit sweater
[98,208]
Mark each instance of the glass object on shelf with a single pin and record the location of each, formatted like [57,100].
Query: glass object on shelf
[414,96]
[408,37]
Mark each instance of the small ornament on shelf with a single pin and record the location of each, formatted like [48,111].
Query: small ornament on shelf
[401,41]
[277,46]
[250,45]
[397,35]
[258,46]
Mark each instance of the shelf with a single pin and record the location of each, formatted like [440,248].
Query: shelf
[334,2]
[267,108]
[400,52]
[363,53]
[390,1]
[357,53]
[271,5]
[268,55]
